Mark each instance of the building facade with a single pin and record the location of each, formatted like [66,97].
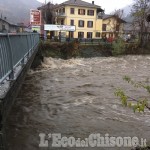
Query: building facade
[7,27]
[82,15]
[89,20]
[112,26]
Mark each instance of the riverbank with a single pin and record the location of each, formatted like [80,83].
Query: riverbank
[104,49]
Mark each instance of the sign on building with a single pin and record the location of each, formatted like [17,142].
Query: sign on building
[35,17]
[50,27]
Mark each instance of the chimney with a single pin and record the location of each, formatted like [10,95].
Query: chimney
[93,2]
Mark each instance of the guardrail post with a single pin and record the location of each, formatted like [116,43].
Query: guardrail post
[28,55]
[23,59]
[11,76]
[32,43]
[0,115]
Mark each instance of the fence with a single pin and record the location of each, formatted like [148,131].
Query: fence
[14,49]
[83,41]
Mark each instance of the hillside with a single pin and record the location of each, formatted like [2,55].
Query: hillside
[17,10]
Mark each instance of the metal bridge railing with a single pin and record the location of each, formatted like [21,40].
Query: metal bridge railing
[14,48]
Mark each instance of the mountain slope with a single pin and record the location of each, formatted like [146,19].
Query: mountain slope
[17,10]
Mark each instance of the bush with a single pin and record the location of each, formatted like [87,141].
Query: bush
[49,50]
[69,50]
[118,47]
[105,49]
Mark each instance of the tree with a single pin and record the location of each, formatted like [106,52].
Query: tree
[48,15]
[139,12]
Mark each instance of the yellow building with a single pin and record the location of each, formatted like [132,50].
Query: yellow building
[83,15]
[112,26]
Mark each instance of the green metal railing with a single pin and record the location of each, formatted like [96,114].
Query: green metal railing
[14,49]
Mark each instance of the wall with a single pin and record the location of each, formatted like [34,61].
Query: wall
[5,24]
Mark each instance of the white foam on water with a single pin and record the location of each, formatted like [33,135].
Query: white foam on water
[53,63]
[80,101]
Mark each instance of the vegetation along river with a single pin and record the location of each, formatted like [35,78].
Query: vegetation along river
[76,98]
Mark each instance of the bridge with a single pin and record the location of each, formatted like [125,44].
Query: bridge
[17,52]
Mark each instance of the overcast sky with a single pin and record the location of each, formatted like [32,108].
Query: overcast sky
[108,5]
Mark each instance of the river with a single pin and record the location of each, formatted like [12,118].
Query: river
[76,98]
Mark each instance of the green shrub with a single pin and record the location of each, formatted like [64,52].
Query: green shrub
[118,47]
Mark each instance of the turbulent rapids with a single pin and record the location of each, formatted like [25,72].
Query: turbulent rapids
[76,98]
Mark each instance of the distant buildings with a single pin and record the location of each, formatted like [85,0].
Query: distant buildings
[7,27]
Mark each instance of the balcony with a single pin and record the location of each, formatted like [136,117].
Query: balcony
[60,15]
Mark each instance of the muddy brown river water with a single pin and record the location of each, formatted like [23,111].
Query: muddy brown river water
[76,98]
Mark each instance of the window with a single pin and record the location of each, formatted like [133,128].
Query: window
[59,10]
[62,22]
[98,34]
[3,27]
[90,12]
[81,11]
[117,28]
[71,22]
[90,24]
[81,23]
[71,10]
[80,34]
[71,34]
[104,27]
[63,10]
[104,35]
[89,35]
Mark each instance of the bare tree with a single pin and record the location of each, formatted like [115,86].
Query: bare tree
[48,16]
[48,13]
[139,13]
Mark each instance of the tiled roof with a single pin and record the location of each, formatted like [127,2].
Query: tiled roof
[106,16]
[6,21]
[80,3]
